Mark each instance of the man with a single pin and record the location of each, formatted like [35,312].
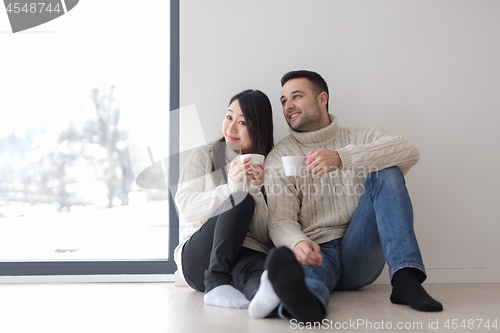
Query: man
[336,225]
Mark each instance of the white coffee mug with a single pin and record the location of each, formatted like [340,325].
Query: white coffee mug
[293,165]
[255,158]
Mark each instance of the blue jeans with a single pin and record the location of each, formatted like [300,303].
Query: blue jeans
[381,230]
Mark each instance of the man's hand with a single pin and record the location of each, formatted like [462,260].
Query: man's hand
[308,253]
[322,161]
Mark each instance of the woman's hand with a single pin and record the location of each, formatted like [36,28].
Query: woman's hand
[239,168]
[257,173]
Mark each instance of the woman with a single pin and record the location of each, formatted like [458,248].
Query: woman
[224,235]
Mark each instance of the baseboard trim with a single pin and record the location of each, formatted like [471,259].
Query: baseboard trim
[453,275]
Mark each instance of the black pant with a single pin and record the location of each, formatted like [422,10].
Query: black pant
[214,255]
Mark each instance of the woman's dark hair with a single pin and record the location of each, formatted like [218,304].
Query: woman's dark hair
[318,83]
[258,114]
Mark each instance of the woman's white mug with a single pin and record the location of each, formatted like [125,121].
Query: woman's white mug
[255,158]
[293,165]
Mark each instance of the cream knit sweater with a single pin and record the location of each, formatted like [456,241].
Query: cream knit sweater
[198,197]
[319,209]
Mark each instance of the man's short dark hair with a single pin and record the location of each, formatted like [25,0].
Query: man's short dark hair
[318,83]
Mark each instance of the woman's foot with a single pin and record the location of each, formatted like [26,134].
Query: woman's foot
[265,300]
[226,296]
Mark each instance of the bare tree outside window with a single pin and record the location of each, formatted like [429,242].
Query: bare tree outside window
[101,146]
[89,166]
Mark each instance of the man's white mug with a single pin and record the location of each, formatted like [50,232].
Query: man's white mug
[293,165]
[255,158]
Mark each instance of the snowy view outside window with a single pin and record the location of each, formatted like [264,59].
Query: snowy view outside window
[73,92]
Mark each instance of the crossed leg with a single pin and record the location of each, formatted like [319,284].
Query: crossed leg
[381,230]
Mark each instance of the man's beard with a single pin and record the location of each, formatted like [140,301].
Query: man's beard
[306,121]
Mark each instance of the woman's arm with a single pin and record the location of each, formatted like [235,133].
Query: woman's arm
[198,197]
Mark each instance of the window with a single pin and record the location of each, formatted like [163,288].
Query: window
[84,109]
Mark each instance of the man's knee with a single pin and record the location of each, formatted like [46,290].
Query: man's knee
[392,174]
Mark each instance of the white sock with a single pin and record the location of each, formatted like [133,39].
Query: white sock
[265,300]
[226,296]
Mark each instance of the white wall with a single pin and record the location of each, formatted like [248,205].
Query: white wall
[426,69]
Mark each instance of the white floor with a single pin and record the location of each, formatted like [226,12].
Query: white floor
[162,307]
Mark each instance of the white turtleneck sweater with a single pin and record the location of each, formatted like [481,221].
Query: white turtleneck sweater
[319,208]
[198,197]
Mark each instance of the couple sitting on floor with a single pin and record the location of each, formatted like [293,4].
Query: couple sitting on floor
[255,238]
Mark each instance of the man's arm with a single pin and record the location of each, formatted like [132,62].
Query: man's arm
[284,205]
[284,208]
[380,151]
[377,151]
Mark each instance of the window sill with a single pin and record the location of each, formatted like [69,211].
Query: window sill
[98,278]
